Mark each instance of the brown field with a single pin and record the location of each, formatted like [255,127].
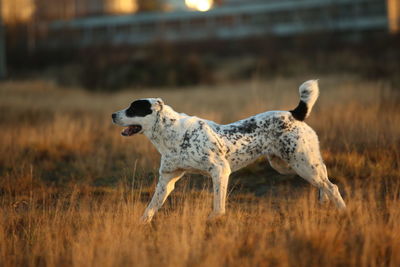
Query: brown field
[72,189]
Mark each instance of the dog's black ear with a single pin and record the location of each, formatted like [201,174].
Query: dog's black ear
[159,104]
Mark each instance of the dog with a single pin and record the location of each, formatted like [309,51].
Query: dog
[191,144]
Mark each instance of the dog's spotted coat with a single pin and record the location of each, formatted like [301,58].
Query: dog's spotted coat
[191,144]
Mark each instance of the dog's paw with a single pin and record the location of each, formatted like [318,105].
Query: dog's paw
[145,219]
[216,216]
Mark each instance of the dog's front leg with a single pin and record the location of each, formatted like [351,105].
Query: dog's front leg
[220,177]
[165,185]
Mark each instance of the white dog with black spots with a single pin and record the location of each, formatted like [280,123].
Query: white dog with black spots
[191,144]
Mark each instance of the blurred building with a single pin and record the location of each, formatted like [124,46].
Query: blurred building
[20,11]
[78,23]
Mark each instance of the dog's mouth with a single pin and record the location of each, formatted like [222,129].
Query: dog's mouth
[131,130]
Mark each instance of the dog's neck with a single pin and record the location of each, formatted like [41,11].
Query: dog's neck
[162,134]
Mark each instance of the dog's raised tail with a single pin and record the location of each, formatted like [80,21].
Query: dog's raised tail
[308,95]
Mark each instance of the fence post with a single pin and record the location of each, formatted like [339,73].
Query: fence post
[393,13]
[3,67]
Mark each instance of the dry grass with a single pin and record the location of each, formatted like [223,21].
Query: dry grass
[72,189]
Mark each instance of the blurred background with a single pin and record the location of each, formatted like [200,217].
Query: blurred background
[72,189]
[114,44]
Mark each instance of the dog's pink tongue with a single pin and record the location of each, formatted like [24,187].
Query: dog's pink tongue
[128,131]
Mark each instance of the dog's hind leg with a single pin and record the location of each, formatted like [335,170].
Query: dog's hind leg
[283,168]
[322,196]
[220,176]
[315,173]
[279,165]
[165,185]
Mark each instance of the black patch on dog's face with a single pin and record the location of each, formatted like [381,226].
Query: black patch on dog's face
[139,108]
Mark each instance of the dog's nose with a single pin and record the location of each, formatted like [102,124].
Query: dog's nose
[113,115]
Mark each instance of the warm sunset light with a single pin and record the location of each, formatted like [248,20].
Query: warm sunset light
[199,133]
[17,10]
[122,6]
[199,5]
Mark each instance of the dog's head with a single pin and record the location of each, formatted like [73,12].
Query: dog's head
[139,117]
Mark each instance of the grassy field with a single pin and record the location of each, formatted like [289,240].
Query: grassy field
[72,189]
